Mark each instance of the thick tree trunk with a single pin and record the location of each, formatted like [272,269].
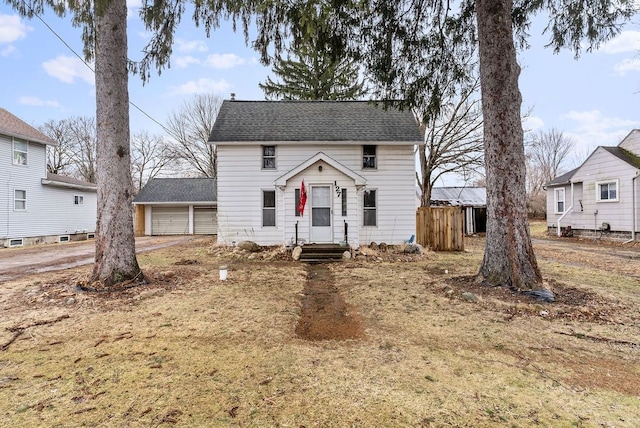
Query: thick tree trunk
[115,244]
[508,257]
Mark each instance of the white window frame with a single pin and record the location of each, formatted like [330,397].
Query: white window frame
[78,200]
[265,157]
[374,208]
[557,200]
[16,199]
[24,153]
[275,203]
[370,161]
[599,185]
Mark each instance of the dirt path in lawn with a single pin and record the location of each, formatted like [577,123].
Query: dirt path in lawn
[325,315]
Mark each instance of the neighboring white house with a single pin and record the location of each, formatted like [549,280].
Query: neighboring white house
[601,198]
[177,206]
[356,160]
[37,206]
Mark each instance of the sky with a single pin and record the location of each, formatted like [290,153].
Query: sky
[594,100]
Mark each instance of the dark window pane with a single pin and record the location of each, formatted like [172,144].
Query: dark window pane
[297,202]
[369,217]
[370,199]
[269,199]
[269,150]
[604,192]
[268,217]
[344,202]
[369,156]
[269,163]
[560,207]
[321,216]
[612,191]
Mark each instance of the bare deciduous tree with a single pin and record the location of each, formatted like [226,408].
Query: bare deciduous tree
[189,128]
[547,153]
[150,154]
[75,154]
[453,142]
[60,156]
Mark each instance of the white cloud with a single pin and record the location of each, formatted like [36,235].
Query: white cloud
[67,69]
[12,29]
[627,65]
[190,46]
[626,41]
[185,61]
[35,101]
[201,86]
[532,123]
[7,50]
[224,61]
[594,122]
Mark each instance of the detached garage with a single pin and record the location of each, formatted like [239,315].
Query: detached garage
[177,206]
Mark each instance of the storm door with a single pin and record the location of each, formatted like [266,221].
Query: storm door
[321,230]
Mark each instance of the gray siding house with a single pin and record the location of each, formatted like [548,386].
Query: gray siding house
[176,206]
[601,198]
[35,205]
[315,172]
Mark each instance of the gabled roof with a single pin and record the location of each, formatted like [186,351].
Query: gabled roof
[624,155]
[562,179]
[464,196]
[178,190]
[313,121]
[68,182]
[357,178]
[14,127]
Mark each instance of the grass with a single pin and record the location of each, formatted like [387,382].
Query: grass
[197,351]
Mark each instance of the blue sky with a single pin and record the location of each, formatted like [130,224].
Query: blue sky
[594,100]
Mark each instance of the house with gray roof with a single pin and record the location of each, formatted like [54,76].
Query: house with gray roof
[600,198]
[315,172]
[177,206]
[35,205]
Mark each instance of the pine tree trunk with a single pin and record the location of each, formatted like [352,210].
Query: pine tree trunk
[115,243]
[508,257]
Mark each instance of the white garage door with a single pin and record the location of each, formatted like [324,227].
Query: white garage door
[170,220]
[205,220]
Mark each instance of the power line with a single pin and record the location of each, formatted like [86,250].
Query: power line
[89,66]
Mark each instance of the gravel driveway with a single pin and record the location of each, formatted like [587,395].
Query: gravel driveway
[18,261]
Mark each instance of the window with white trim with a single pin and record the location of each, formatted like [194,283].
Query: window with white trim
[370,214]
[268,157]
[20,148]
[78,199]
[559,201]
[369,157]
[607,191]
[268,208]
[19,200]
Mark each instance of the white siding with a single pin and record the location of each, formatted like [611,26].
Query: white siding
[241,182]
[602,166]
[50,210]
[632,142]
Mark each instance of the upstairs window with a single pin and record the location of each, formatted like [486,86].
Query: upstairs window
[20,200]
[607,191]
[369,157]
[78,200]
[19,152]
[370,214]
[559,196]
[268,157]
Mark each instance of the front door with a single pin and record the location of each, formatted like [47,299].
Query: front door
[321,230]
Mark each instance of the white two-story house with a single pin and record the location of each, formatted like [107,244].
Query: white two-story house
[315,172]
[37,206]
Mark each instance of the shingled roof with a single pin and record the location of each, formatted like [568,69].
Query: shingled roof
[14,127]
[178,190]
[273,121]
[70,182]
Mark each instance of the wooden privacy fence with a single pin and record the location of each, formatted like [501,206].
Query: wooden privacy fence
[440,228]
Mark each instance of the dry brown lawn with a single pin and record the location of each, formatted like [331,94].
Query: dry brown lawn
[406,347]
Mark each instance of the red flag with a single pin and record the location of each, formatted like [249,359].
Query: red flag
[303,199]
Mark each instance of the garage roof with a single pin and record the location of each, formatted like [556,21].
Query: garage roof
[178,190]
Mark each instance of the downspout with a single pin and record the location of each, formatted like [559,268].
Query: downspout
[633,210]
[566,212]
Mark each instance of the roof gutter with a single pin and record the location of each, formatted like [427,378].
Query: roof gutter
[68,185]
